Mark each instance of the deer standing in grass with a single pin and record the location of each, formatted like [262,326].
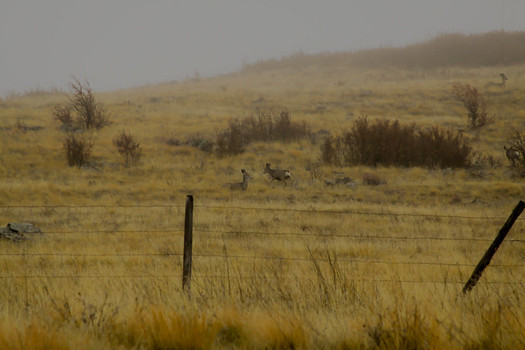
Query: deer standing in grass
[512,154]
[502,84]
[277,174]
[240,185]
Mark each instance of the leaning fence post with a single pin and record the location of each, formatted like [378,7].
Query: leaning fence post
[188,241]
[485,260]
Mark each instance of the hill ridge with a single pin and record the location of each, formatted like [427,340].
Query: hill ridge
[445,50]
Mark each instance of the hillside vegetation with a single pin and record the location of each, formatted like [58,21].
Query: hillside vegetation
[447,50]
[347,254]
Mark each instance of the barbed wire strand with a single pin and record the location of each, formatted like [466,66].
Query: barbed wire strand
[273,233]
[113,231]
[132,276]
[233,232]
[255,257]
[351,211]
[196,207]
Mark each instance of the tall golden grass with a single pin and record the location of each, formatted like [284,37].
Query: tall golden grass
[303,265]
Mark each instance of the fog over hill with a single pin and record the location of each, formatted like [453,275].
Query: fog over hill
[124,43]
[474,50]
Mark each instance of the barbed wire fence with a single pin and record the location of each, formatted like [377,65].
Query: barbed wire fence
[176,229]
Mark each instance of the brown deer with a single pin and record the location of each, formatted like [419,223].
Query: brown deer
[240,185]
[502,84]
[512,154]
[277,174]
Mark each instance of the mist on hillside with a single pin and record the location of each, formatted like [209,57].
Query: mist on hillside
[475,50]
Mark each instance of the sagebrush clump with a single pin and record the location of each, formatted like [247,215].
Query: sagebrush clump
[388,143]
[81,111]
[128,147]
[77,148]
[475,103]
[264,127]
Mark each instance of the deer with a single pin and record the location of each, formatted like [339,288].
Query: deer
[277,174]
[242,186]
[502,84]
[512,154]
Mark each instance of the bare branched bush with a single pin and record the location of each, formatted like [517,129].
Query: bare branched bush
[81,111]
[286,130]
[63,114]
[264,127]
[392,144]
[232,140]
[475,103]
[91,115]
[77,148]
[517,141]
[128,147]
[329,151]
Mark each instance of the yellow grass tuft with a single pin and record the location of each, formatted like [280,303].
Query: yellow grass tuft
[34,336]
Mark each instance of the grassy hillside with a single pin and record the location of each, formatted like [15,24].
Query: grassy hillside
[303,265]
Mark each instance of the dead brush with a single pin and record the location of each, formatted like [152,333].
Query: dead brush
[389,143]
[77,148]
[475,103]
[128,147]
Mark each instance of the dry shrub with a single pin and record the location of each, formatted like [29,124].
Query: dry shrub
[475,103]
[232,140]
[81,111]
[77,148]
[329,150]
[90,114]
[392,144]
[128,147]
[517,142]
[63,115]
[264,127]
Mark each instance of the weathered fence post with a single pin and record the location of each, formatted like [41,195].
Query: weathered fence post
[188,241]
[485,260]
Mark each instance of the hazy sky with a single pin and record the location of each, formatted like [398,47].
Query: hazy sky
[122,43]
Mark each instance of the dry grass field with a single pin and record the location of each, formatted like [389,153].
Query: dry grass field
[296,266]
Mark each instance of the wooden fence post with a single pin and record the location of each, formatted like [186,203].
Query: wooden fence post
[188,242]
[485,260]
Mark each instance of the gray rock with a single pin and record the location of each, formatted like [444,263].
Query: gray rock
[340,181]
[19,231]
